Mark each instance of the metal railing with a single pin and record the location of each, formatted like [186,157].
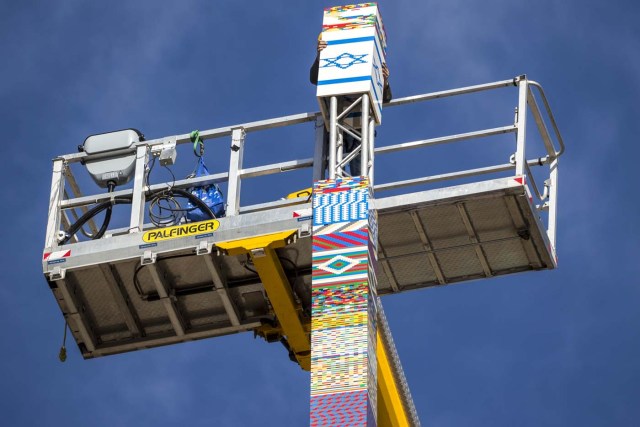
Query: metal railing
[66,196]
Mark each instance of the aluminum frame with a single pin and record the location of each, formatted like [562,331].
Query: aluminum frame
[526,102]
[338,127]
[528,91]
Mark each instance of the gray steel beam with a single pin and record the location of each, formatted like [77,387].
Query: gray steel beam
[340,150]
[542,127]
[197,181]
[552,119]
[71,298]
[121,298]
[473,237]
[388,271]
[171,339]
[553,204]
[219,132]
[333,136]
[183,183]
[219,284]
[138,195]
[55,197]
[454,175]
[310,117]
[275,168]
[167,300]
[235,166]
[451,248]
[446,139]
[452,92]
[319,152]
[364,141]
[349,108]
[372,151]
[520,224]
[426,243]
[521,124]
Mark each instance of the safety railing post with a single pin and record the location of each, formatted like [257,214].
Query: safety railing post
[339,151]
[235,166]
[372,149]
[364,143]
[553,202]
[138,197]
[333,135]
[521,124]
[57,189]
[319,153]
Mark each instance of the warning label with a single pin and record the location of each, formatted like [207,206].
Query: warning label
[185,230]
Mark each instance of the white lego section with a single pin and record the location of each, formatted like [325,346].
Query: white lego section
[352,62]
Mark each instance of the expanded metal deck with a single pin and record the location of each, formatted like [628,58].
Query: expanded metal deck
[460,233]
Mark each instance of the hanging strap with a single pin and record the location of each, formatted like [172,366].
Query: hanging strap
[62,355]
[195,138]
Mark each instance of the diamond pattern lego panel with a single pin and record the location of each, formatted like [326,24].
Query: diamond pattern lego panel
[343,310]
[352,61]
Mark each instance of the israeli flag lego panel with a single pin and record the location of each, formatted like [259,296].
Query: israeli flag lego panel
[352,62]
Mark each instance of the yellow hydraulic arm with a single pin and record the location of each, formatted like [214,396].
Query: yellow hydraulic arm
[391,410]
[261,249]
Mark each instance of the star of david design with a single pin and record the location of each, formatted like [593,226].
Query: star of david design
[378,74]
[338,264]
[344,60]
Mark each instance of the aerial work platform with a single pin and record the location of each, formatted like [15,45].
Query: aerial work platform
[459,233]
[123,294]
[135,289]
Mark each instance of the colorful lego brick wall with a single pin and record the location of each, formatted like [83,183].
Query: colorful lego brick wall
[356,49]
[343,324]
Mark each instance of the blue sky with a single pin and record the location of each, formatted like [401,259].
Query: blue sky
[556,348]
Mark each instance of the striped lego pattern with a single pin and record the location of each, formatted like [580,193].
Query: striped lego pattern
[352,16]
[343,409]
[341,184]
[339,240]
[343,227]
[347,7]
[343,313]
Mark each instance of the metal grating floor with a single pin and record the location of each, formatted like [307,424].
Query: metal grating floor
[441,237]
[430,238]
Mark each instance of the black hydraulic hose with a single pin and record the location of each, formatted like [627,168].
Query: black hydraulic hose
[105,223]
[107,217]
[108,204]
